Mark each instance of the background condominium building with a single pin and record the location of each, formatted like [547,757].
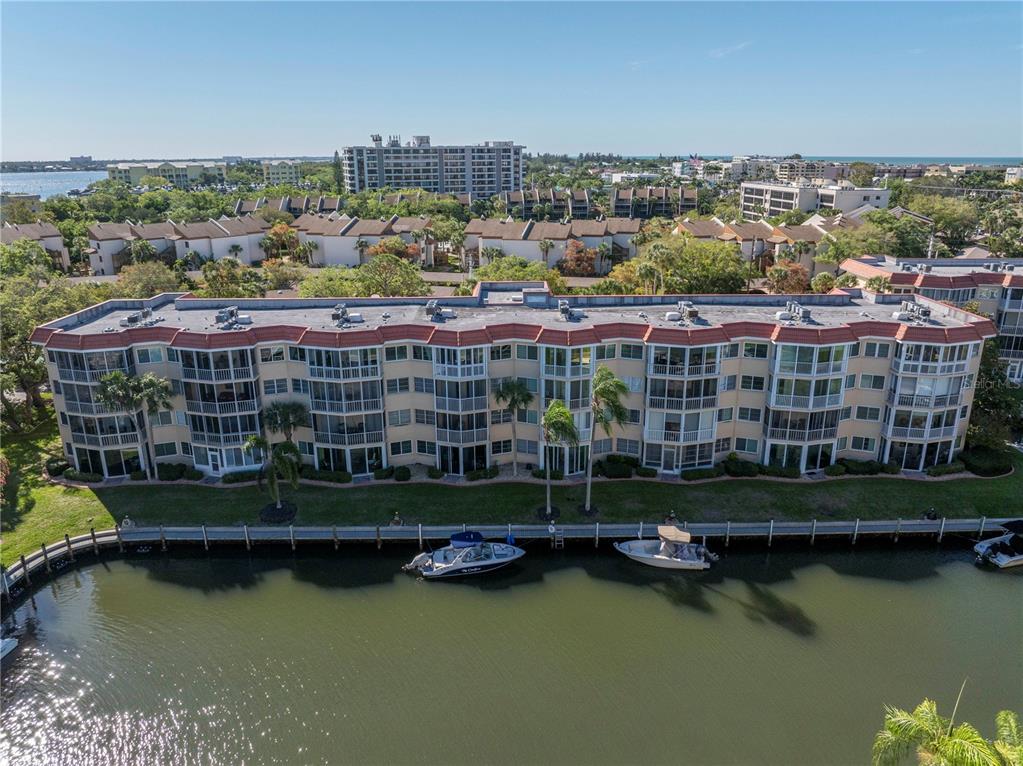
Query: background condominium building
[180,174]
[403,381]
[483,169]
[760,199]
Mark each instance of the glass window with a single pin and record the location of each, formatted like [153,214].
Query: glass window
[395,353]
[632,351]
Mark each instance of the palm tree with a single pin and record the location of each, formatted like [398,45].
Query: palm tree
[1008,740]
[361,245]
[236,250]
[491,254]
[933,738]
[606,392]
[306,250]
[118,392]
[545,246]
[647,273]
[878,284]
[558,428]
[281,463]
[515,396]
[603,255]
[284,417]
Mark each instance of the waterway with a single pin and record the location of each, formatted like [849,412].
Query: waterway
[574,657]
[48,183]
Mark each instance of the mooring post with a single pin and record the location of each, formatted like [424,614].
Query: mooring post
[980,530]
[941,529]
[464,528]
[4,587]
[728,532]
[596,535]
[898,526]
[24,570]
[163,539]
[770,534]
[95,545]
[420,535]
[120,540]
[46,557]
[291,534]
[813,531]
[380,542]
[70,550]
[856,531]
[205,539]
[334,535]
[248,542]
[641,530]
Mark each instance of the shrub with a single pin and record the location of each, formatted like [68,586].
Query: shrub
[402,473]
[138,476]
[599,468]
[733,465]
[434,473]
[192,474]
[475,475]
[384,473]
[55,466]
[338,477]
[702,473]
[785,472]
[836,469]
[646,473]
[942,469]
[629,460]
[891,467]
[556,475]
[72,474]
[237,477]
[861,467]
[170,471]
[618,471]
[986,462]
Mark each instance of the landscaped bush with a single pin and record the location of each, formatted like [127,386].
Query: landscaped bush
[861,467]
[434,473]
[72,474]
[338,477]
[55,466]
[646,473]
[891,467]
[170,471]
[629,460]
[599,468]
[986,462]
[384,473]
[402,473]
[475,475]
[556,475]
[943,469]
[733,465]
[618,471]
[138,476]
[784,472]
[192,474]
[703,473]
[237,477]
[835,469]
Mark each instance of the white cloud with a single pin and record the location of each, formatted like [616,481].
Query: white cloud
[720,53]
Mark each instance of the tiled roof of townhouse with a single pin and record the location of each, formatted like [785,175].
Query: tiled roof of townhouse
[11,232]
[549,230]
[703,229]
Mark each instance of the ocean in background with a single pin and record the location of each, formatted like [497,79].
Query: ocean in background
[885,160]
[48,183]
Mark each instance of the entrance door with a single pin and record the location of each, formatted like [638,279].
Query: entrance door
[215,461]
[668,459]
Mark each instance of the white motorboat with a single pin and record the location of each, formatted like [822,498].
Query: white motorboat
[1004,551]
[673,549]
[7,646]
[468,554]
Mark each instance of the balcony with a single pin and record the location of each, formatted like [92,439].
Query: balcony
[809,368]
[791,401]
[105,440]
[459,370]
[929,368]
[1007,305]
[474,436]
[86,408]
[916,400]
[222,440]
[800,435]
[90,376]
[469,404]
[680,437]
[217,373]
[679,405]
[349,439]
[222,408]
[346,405]
[572,404]
[925,434]
[679,370]
[345,373]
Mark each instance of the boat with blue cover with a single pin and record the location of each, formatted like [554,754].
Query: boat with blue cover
[467,554]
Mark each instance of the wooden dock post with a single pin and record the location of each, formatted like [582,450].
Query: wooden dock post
[46,558]
[70,550]
[813,531]
[248,542]
[5,589]
[983,522]
[163,539]
[24,570]
[205,539]
[334,535]
[728,532]
[641,530]
[464,528]
[898,526]
[770,533]
[291,534]
[856,531]
[95,545]
[120,540]
[596,535]
[380,542]
[420,535]
[941,529]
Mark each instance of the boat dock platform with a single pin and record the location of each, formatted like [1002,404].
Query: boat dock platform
[55,556]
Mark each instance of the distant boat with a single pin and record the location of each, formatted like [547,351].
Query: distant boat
[468,554]
[7,646]
[1004,551]
[673,549]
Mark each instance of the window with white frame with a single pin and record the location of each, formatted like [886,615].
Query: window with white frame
[397,385]
[399,418]
[752,383]
[627,446]
[868,413]
[500,416]
[527,352]
[750,414]
[502,447]
[395,353]
[601,446]
[424,385]
[426,417]
[426,448]
[149,355]
[863,444]
[275,386]
[723,445]
[526,446]
[745,445]
[271,354]
[401,448]
[875,382]
[632,351]
[165,449]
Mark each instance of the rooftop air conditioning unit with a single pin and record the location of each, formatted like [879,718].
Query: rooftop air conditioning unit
[447,313]
[1010,267]
[244,319]
[782,316]
[124,322]
[222,316]
[902,316]
[563,306]
[147,312]
[927,267]
[672,316]
[924,312]
[804,313]
[355,317]
[692,312]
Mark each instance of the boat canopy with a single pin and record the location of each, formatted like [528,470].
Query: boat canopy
[673,534]
[466,539]
[1016,527]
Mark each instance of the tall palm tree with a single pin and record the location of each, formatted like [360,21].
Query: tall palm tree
[136,396]
[281,463]
[361,245]
[558,428]
[933,738]
[606,392]
[545,246]
[236,250]
[647,273]
[284,417]
[515,396]
[306,250]
[603,255]
[491,254]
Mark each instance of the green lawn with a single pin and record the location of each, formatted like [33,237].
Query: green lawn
[36,512]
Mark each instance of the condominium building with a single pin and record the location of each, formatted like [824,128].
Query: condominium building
[651,201]
[1013,175]
[995,285]
[548,241]
[44,233]
[482,169]
[180,174]
[759,199]
[407,380]
[281,172]
[793,170]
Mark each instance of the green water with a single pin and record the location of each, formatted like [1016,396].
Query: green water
[570,658]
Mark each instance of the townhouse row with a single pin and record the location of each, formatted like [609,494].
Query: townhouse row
[402,381]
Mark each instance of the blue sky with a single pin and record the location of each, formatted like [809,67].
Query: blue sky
[124,79]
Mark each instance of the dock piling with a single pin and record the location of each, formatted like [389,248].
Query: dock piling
[95,545]
[5,589]
[728,532]
[163,540]
[813,531]
[641,530]
[46,558]
[24,570]
[70,550]
[596,535]
[291,534]
[420,536]
[380,542]
[120,540]
[941,529]
[248,542]
[856,531]
[205,539]
[980,530]
[334,535]
[770,534]
[898,526]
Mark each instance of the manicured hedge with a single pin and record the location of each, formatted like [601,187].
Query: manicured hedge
[72,474]
[786,472]
[943,469]
[237,477]
[618,470]
[192,474]
[629,460]
[434,473]
[138,476]
[338,477]
[55,466]
[861,467]
[733,465]
[402,473]
[170,471]
[702,473]
[556,475]
[646,473]
[986,462]
[384,473]
[836,469]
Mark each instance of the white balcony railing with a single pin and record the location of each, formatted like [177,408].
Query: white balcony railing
[917,400]
[236,439]
[222,408]
[792,401]
[801,435]
[345,373]
[90,376]
[929,368]
[459,370]
[86,408]
[473,436]
[345,405]
[468,404]
[680,437]
[678,405]
[219,373]
[926,434]
[350,438]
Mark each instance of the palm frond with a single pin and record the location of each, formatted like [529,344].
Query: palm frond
[1007,728]
[965,747]
[890,749]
